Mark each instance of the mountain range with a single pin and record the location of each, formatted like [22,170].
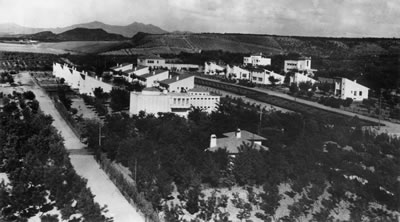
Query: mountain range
[76,34]
[7,29]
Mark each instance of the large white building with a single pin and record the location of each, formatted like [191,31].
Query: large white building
[300,64]
[154,61]
[212,68]
[154,101]
[257,60]
[236,72]
[345,88]
[80,80]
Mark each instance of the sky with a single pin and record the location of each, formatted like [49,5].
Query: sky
[346,18]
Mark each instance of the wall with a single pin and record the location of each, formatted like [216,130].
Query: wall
[148,103]
[152,80]
[210,68]
[207,103]
[297,64]
[257,61]
[79,80]
[151,62]
[238,72]
[351,89]
[187,84]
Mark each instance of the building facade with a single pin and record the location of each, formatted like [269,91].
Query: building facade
[257,60]
[211,68]
[301,64]
[152,100]
[80,80]
[236,72]
[345,88]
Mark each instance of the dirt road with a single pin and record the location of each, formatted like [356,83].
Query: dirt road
[106,193]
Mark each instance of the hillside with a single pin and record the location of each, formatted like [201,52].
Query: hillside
[269,44]
[127,30]
[77,34]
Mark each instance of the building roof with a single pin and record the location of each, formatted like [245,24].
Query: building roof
[151,89]
[121,65]
[174,79]
[255,69]
[152,73]
[232,144]
[197,89]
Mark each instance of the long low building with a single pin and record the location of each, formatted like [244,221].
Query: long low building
[80,80]
[155,61]
[154,101]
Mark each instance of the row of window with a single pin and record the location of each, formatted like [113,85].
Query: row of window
[355,93]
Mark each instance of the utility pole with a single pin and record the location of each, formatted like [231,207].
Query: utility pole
[99,134]
[259,123]
[379,109]
[135,168]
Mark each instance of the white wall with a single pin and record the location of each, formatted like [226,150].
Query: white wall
[211,68]
[148,103]
[351,89]
[73,78]
[300,65]
[257,60]
[123,68]
[298,78]
[152,80]
[187,84]
[238,72]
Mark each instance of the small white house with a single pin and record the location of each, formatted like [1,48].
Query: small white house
[257,60]
[300,77]
[262,76]
[345,88]
[236,72]
[211,68]
[300,64]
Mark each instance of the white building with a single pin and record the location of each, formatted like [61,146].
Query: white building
[300,64]
[262,76]
[80,80]
[211,68]
[345,88]
[178,83]
[300,77]
[236,72]
[155,61]
[232,141]
[257,60]
[152,100]
[122,67]
[153,77]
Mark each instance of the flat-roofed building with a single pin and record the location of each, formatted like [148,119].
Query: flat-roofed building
[236,72]
[345,88]
[257,60]
[153,100]
[299,64]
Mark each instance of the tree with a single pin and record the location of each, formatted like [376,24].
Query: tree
[293,88]
[62,96]
[192,205]
[29,95]
[273,80]
[120,99]
[305,86]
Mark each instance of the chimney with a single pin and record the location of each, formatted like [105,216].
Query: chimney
[355,80]
[238,134]
[154,72]
[135,68]
[177,78]
[101,78]
[213,140]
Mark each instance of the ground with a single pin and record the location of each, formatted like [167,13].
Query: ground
[106,193]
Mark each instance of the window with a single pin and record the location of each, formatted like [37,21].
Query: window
[355,93]
[150,61]
[260,79]
[254,78]
[360,93]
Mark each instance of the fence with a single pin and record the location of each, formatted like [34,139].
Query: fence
[127,187]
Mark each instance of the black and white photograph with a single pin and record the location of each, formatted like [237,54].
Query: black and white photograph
[199,111]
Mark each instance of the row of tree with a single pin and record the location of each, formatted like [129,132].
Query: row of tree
[41,176]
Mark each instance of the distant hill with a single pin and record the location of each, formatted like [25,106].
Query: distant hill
[77,34]
[127,31]
[268,44]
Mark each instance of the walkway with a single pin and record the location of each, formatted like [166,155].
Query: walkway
[106,193]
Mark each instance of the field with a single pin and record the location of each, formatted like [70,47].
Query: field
[72,47]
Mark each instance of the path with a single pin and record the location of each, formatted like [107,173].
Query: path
[106,193]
